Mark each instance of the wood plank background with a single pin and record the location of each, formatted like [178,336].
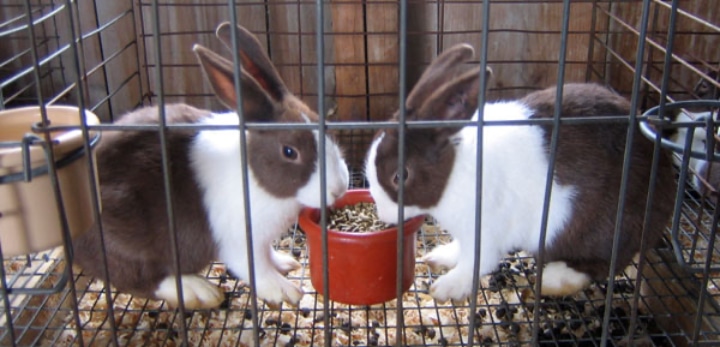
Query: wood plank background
[361,49]
[117,55]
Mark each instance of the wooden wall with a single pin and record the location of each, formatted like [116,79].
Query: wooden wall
[362,48]
[108,55]
[696,47]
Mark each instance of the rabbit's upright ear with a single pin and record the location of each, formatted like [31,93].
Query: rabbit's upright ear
[253,59]
[455,100]
[258,105]
[446,67]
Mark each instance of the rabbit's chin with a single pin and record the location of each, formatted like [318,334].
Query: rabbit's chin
[388,210]
[337,178]
[309,196]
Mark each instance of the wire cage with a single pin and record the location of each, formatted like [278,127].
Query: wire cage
[354,62]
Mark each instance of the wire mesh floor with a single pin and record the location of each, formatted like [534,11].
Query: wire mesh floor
[504,316]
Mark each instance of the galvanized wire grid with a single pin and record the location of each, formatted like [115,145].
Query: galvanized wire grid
[503,317]
[60,73]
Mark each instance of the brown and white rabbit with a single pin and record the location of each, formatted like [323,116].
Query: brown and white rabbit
[703,169]
[706,89]
[207,187]
[440,179]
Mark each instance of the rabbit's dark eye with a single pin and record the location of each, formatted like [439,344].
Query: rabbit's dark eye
[289,152]
[396,177]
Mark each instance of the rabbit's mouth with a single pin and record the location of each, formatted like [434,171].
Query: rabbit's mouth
[387,210]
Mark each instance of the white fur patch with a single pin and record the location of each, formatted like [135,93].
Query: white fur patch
[198,293]
[284,263]
[560,280]
[443,256]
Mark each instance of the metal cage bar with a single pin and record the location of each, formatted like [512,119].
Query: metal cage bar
[60,54]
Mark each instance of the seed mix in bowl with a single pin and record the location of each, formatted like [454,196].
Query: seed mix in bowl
[358,218]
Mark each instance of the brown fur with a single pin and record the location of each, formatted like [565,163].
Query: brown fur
[430,153]
[705,89]
[429,156]
[444,68]
[259,78]
[138,260]
[428,165]
[279,176]
[265,99]
[590,157]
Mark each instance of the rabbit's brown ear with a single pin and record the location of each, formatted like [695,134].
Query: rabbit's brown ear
[258,105]
[455,100]
[446,67]
[253,59]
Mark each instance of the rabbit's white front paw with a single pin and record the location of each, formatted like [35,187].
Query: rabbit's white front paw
[443,256]
[283,262]
[274,289]
[455,285]
[197,292]
[561,280]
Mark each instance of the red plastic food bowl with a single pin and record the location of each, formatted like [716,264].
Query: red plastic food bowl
[362,266]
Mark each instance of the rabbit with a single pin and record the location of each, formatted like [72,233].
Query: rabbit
[207,188]
[699,167]
[705,89]
[440,179]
